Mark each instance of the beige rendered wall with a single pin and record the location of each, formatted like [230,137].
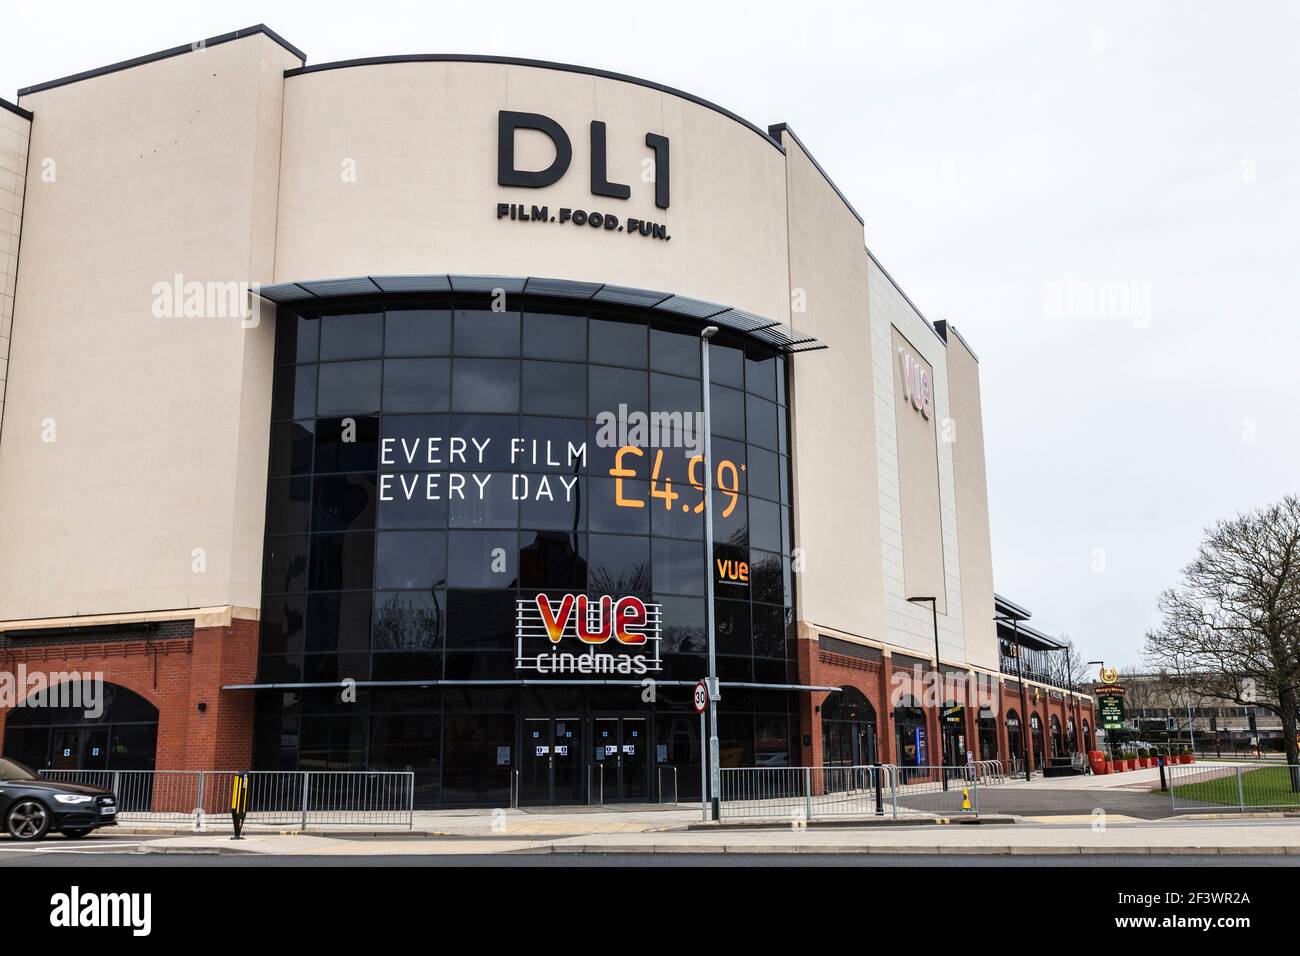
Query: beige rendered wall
[392,169]
[140,488]
[974,544]
[14,133]
[918,480]
[907,625]
[833,431]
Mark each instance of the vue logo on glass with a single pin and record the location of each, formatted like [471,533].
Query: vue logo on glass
[624,620]
[629,623]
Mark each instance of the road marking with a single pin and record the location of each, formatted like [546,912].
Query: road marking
[45,848]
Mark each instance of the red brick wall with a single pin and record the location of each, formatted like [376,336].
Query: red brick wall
[828,669]
[175,676]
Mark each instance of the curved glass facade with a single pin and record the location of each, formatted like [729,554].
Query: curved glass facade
[436,464]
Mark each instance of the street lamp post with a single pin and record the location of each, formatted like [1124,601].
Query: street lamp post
[938,673]
[1094,712]
[715,695]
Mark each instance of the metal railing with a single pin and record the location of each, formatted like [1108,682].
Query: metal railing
[805,793]
[659,781]
[1210,787]
[295,798]
[938,789]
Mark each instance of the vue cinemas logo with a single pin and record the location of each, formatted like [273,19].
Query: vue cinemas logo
[731,571]
[605,636]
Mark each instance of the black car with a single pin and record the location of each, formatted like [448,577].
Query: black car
[32,806]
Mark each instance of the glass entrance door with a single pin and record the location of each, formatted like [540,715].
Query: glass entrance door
[621,753]
[551,761]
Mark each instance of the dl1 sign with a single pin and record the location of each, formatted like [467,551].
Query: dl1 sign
[509,174]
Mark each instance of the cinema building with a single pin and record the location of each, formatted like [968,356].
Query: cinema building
[351,420]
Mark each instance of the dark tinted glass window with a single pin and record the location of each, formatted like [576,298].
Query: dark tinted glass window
[297,338]
[351,336]
[408,620]
[481,619]
[612,387]
[342,562]
[483,500]
[555,336]
[604,513]
[412,499]
[676,352]
[768,624]
[343,503]
[764,524]
[349,387]
[418,332]
[732,622]
[765,580]
[291,448]
[727,411]
[552,502]
[338,622]
[410,559]
[485,385]
[618,343]
[484,332]
[417,385]
[288,505]
[760,374]
[677,566]
[761,421]
[554,388]
[763,473]
[553,445]
[285,564]
[481,442]
[483,559]
[346,444]
[618,565]
[294,395]
[672,393]
[726,365]
[552,559]
[283,620]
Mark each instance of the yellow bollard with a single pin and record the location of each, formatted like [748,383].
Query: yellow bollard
[965,797]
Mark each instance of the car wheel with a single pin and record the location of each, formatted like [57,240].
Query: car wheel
[76,833]
[28,820]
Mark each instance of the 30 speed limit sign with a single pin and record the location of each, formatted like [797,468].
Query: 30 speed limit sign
[701,697]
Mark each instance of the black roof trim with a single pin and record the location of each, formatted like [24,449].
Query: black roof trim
[906,299]
[778,129]
[944,327]
[261,28]
[1009,608]
[539,64]
[16,109]
[771,332]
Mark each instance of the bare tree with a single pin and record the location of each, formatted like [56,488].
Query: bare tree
[1068,668]
[1232,630]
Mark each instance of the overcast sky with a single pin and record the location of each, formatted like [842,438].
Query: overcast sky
[1103,197]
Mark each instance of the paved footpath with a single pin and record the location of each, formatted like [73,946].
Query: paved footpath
[1084,815]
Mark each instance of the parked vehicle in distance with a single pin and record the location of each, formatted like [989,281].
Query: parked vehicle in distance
[32,806]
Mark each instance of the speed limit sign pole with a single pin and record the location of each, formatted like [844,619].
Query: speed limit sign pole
[701,702]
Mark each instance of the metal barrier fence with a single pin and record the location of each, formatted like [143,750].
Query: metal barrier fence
[805,793]
[298,798]
[1233,787]
[939,789]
